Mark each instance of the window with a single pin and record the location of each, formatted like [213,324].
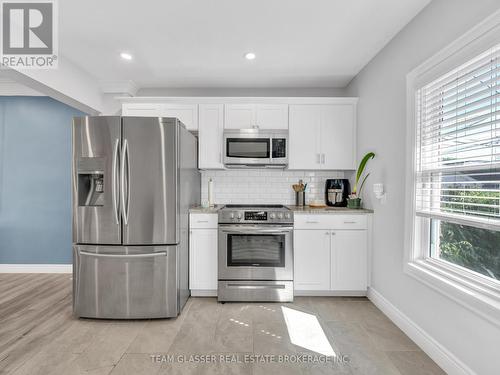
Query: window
[457,171]
[471,248]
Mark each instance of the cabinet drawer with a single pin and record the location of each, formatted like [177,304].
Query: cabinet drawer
[305,221]
[348,222]
[329,221]
[203,221]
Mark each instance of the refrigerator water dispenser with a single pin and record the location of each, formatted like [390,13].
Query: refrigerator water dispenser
[91,189]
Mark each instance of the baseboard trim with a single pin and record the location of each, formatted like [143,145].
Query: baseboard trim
[439,354]
[329,293]
[203,293]
[36,268]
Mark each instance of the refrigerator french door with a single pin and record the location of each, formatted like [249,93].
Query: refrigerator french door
[126,217]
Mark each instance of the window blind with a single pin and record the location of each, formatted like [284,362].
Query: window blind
[458,144]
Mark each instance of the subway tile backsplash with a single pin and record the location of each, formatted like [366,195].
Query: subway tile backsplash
[264,186]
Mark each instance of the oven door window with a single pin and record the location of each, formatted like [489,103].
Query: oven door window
[251,148]
[256,250]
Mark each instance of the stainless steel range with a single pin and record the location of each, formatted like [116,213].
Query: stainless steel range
[255,253]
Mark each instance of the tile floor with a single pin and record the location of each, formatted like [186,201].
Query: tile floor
[38,335]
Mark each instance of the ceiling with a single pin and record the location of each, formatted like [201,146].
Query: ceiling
[201,43]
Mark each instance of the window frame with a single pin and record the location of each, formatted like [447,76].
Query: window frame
[472,290]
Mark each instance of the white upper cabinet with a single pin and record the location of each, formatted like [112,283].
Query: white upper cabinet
[187,113]
[322,132]
[261,116]
[304,137]
[322,136]
[239,116]
[338,136]
[210,133]
[142,109]
[272,116]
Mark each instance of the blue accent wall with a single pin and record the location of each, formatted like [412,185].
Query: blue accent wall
[35,180]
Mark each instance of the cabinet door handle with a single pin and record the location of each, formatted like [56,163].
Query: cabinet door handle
[312,222]
[333,233]
[202,221]
[318,159]
[322,158]
[220,157]
[327,233]
[349,222]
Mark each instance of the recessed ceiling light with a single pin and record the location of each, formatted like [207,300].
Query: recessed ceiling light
[250,56]
[126,56]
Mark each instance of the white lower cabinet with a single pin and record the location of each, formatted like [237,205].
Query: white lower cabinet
[311,259]
[203,254]
[331,254]
[349,260]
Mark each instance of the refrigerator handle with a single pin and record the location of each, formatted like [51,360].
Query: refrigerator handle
[125,200]
[116,201]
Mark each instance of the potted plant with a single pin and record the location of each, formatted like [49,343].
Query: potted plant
[354,200]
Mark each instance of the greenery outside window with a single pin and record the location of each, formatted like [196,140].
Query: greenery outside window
[471,248]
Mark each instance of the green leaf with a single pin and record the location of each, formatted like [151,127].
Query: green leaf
[361,168]
[362,165]
[362,183]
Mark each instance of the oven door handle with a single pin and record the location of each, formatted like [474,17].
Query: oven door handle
[255,230]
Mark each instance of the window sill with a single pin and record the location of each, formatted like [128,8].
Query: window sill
[481,298]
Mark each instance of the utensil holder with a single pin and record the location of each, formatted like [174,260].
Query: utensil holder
[300,198]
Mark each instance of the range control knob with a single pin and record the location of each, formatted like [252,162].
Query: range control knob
[231,215]
[287,215]
[280,215]
[239,215]
[272,215]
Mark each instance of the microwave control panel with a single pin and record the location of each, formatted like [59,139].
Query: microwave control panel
[279,148]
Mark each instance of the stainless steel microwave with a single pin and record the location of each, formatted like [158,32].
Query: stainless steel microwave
[255,148]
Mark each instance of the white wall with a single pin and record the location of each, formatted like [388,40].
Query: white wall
[381,89]
[264,186]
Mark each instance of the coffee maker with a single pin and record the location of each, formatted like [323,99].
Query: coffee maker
[336,192]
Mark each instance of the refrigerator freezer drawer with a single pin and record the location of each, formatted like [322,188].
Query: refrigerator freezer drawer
[117,282]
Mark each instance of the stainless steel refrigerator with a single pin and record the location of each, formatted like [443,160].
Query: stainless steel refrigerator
[134,179]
